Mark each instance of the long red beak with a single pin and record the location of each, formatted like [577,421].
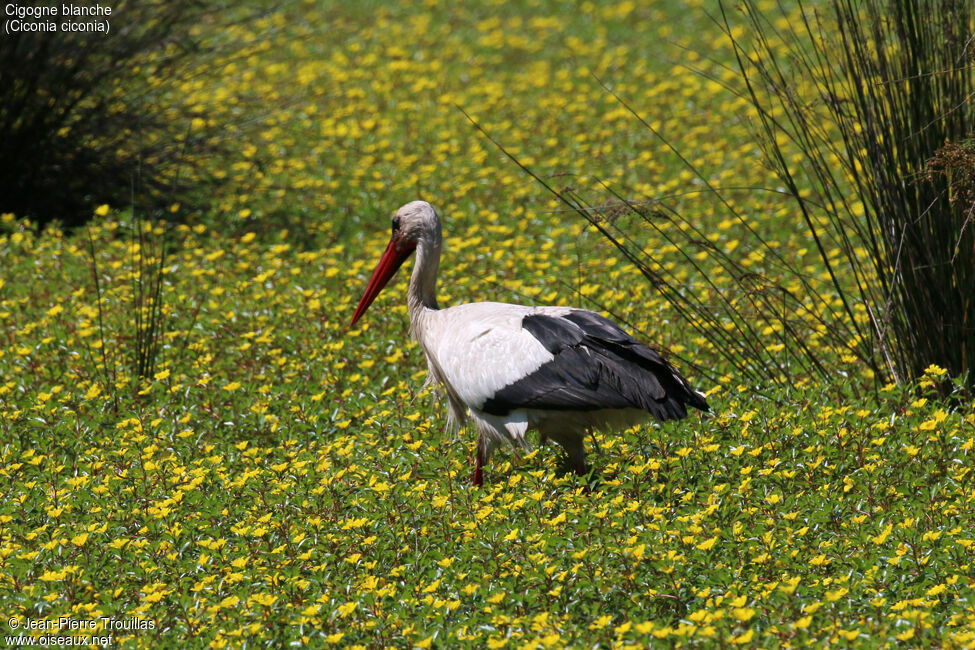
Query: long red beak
[389,263]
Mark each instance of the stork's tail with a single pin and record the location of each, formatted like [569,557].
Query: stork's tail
[698,400]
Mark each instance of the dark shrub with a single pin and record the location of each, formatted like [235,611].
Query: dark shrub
[89,117]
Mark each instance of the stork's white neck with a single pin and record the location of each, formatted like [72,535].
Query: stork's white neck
[422,294]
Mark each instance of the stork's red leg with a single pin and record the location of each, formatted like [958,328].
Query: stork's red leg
[478,466]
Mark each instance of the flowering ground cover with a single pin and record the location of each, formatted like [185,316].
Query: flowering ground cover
[277,477]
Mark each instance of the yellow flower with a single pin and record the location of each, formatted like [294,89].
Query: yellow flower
[906,635]
[263,599]
[155,596]
[850,635]
[833,596]
[347,608]
[743,614]
[645,627]
[744,638]
[937,590]
[601,622]
[884,534]
[935,370]
[53,576]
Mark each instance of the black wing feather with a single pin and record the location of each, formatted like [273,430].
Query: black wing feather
[597,365]
[555,334]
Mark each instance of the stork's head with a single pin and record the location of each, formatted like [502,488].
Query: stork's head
[414,224]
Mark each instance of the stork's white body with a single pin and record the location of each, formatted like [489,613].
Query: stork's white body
[475,350]
[511,368]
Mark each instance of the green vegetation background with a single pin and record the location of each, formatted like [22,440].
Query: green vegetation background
[280,478]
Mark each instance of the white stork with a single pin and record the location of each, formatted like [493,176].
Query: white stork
[561,371]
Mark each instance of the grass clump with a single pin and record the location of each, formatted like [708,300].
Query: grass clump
[886,93]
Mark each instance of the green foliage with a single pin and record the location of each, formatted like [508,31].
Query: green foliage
[277,478]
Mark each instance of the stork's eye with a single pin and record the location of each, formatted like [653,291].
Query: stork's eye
[395,225]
